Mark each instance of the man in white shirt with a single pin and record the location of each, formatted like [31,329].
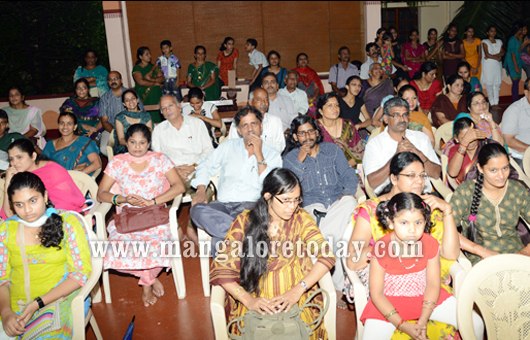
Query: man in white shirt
[242,164]
[298,97]
[515,124]
[279,105]
[341,71]
[374,56]
[272,132]
[183,138]
[394,139]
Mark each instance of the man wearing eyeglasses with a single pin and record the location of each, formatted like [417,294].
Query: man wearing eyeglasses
[394,139]
[328,182]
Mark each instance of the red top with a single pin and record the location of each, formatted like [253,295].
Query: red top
[307,75]
[227,64]
[466,164]
[428,96]
[403,287]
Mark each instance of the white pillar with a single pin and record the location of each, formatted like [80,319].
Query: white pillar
[117,45]
[372,20]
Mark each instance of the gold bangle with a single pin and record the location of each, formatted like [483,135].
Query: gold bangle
[389,314]
[237,292]
[448,213]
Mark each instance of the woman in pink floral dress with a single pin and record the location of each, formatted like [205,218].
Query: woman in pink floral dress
[140,178]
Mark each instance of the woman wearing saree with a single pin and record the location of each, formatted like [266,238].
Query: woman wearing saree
[85,108]
[204,75]
[148,80]
[71,151]
[339,131]
[274,282]
[375,88]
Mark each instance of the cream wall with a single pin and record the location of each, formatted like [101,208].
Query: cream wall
[437,14]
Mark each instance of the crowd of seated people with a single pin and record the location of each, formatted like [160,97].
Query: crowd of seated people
[293,167]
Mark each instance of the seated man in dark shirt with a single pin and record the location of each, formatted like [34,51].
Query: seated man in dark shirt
[328,182]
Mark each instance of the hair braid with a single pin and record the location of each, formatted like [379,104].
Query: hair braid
[475,203]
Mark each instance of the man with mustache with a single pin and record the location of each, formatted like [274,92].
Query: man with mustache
[328,182]
[110,104]
[272,131]
[242,164]
[394,139]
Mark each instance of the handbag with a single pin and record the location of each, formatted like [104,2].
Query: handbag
[137,219]
[282,326]
[44,320]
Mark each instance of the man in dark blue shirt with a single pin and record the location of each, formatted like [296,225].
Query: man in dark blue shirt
[328,182]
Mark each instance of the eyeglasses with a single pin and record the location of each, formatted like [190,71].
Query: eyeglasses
[311,132]
[421,175]
[295,201]
[480,103]
[402,116]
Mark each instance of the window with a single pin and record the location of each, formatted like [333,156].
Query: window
[402,18]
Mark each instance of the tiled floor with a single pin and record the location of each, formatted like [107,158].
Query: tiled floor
[169,317]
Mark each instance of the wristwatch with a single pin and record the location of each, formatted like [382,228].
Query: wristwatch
[263,162]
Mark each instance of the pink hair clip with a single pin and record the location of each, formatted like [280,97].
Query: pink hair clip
[472,218]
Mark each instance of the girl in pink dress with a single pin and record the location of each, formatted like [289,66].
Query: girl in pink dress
[405,274]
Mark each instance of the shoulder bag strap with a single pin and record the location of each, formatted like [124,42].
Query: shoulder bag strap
[22,245]
[322,310]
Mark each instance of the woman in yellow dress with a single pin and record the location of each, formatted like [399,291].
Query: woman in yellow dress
[473,51]
[275,280]
[55,247]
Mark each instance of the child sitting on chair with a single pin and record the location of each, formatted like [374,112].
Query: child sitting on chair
[404,280]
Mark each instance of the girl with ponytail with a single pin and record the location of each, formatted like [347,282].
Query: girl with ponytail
[53,244]
[256,267]
[489,208]
[405,290]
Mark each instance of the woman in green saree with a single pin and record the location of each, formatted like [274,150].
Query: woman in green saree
[204,75]
[148,81]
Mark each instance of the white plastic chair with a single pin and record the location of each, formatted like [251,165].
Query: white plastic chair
[367,188]
[217,309]
[177,266]
[526,162]
[522,176]
[443,133]
[86,184]
[80,320]
[110,146]
[457,271]
[498,286]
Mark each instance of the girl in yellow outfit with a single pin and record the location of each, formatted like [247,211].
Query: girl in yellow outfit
[57,255]
[473,51]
